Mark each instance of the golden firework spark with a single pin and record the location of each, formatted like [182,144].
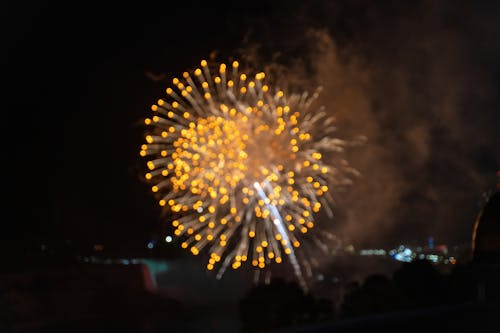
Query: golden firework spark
[239,165]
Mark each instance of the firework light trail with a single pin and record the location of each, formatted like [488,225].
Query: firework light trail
[239,167]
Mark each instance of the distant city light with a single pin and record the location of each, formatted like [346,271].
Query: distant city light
[432,257]
[435,254]
[150,245]
[168,239]
[373,252]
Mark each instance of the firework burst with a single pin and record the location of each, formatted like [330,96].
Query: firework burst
[240,166]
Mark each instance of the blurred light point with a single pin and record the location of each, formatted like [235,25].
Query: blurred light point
[168,239]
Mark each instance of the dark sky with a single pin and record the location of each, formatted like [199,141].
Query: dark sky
[419,79]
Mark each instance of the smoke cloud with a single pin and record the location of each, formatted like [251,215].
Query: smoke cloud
[419,82]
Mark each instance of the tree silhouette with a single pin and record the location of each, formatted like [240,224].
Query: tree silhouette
[281,304]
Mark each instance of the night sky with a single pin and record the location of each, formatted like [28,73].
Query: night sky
[420,80]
